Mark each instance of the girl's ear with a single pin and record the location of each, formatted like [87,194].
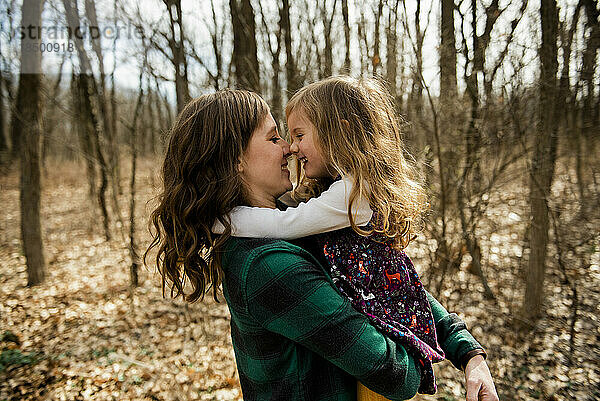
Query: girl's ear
[240,165]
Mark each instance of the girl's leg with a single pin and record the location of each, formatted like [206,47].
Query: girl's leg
[364,394]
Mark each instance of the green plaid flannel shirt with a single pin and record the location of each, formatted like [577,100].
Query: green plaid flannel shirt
[296,338]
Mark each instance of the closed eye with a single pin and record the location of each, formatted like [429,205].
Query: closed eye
[275,139]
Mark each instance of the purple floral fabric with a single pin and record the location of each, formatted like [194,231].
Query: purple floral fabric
[382,283]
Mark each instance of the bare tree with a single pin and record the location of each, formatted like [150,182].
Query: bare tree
[376,59]
[171,44]
[217,34]
[3,138]
[566,99]
[328,48]
[447,53]
[27,125]
[176,40]
[542,162]
[274,51]
[291,72]
[346,69]
[81,125]
[391,71]
[590,56]
[90,92]
[471,176]
[51,119]
[132,128]
[6,97]
[244,59]
[109,130]
[416,93]
[363,44]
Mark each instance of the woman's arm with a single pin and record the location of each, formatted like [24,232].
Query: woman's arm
[464,352]
[327,212]
[454,338]
[290,295]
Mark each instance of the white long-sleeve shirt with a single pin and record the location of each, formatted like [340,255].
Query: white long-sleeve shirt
[327,212]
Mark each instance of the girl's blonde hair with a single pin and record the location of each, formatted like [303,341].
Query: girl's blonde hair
[358,134]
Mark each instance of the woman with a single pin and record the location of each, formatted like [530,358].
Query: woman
[294,335]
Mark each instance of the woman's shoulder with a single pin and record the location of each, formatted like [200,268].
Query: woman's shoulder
[250,263]
[242,251]
[256,245]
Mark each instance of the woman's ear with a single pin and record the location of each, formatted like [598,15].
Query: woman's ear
[240,164]
[345,124]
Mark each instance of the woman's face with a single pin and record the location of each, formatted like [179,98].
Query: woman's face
[263,166]
[304,146]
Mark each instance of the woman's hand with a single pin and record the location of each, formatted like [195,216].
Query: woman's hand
[480,385]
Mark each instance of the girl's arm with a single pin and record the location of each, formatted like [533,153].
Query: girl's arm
[327,212]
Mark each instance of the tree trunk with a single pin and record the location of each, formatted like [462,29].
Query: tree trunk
[90,90]
[81,125]
[276,103]
[3,139]
[392,52]
[27,125]
[161,117]
[315,35]
[417,87]
[113,153]
[565,101]
[376,59]
[89,113]
[291,73]
[447,53]
[179,59]
[152,128]
[542,163]
[589,67]
[328,50]
[217,45]
[245,59]
[51,120]
[133,269]
[346,69]
[362,44]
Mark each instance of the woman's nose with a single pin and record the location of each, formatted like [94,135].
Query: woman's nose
[285,146]
[294,147]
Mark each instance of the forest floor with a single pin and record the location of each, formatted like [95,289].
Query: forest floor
[83,334]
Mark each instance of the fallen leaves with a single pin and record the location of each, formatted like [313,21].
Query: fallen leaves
[84,334]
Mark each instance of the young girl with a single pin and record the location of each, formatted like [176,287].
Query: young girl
[346,137]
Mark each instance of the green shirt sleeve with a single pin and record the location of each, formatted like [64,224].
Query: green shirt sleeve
[291,295]
[452,333]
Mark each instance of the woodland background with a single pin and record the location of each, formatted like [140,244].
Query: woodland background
[501,101]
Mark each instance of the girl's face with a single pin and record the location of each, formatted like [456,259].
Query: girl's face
[304,146]
[263,166]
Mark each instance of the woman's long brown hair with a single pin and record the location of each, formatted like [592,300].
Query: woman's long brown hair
[201,184]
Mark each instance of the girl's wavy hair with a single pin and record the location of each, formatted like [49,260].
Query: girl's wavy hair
[201,184]
[358,134]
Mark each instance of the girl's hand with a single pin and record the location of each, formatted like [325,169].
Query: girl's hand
[480,385]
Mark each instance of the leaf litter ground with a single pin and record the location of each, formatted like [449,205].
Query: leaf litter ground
[83,334]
